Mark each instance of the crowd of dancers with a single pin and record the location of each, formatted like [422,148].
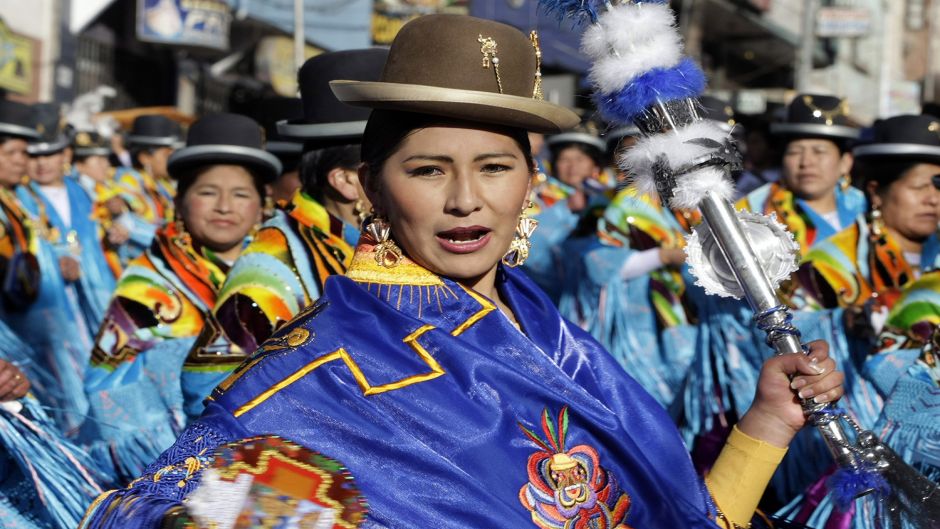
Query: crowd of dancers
[134,282]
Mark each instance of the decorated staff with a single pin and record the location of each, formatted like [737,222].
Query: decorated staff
[641,76]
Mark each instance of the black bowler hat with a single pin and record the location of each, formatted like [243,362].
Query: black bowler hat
[269,112]
[154,130]
[90,143]
[719,111]
[585,134]
[52,138]
[910,137]
[322,116]
[225,139]
[817,116]
[17,120]
[614,136]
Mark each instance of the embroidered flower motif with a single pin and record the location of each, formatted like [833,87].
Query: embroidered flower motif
[568,488]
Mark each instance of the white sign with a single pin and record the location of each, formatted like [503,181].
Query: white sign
[843,22]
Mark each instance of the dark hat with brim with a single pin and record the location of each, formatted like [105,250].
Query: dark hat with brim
[269,111]
[464,68]
[154,130]
[322,116]
[225,139]
[719,111]
[17,120]
[48,147]
[90,143]
[909,137]
[52,138]
[817,116]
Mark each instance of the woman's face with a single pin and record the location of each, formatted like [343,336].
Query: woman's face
[911,205]
[453,197]
[221,207]
[154,161]
[812,167]
[96,167]
[573,167]
[13,160]
[47,170]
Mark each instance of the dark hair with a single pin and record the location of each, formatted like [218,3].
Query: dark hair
[387,129]
[593,152]
[81,159]
[316,164]
[136,151]
[885,172]
[188,177]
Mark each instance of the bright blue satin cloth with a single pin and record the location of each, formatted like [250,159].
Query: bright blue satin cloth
[442,446]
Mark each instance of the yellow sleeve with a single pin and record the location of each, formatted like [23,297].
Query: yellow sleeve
[740,475]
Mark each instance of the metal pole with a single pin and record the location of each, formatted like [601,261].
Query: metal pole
[804,65]
[736,249]
[299,41]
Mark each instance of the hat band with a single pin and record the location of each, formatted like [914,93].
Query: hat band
[896,149]
[156,141]
[577,137]
[340,129]
[18,130]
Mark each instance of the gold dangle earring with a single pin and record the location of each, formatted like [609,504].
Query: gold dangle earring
[845,181]
[387,253]
[877,224]
[520,245]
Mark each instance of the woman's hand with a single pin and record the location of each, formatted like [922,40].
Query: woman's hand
[13,383]
[71,270]
[776,415]
[118,235]
[672,256]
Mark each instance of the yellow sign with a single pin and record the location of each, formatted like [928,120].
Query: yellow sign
[388,16]
[274,63]
[16,61]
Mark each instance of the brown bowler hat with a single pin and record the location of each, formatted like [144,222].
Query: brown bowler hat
[462,67]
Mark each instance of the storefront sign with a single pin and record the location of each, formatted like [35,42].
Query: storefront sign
[843,22]
[274,63]
[203,23]
[388,16]
[17,56]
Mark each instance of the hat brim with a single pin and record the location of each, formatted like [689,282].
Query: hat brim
[91,151]
[19,131]
[267,165]
[337,130]
[483,107]
[812,130]
[576,137]
[284,147]
[907,151]
[153,141]
[46,148]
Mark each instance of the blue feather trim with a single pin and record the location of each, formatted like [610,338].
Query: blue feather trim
[577,10]
[846,484]
[684,80]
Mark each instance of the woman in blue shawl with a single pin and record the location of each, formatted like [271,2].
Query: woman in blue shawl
[444,381]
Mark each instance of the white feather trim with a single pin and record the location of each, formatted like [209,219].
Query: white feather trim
[629,40]
[627,26]
[611,73]
[673,146]
[691,188]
